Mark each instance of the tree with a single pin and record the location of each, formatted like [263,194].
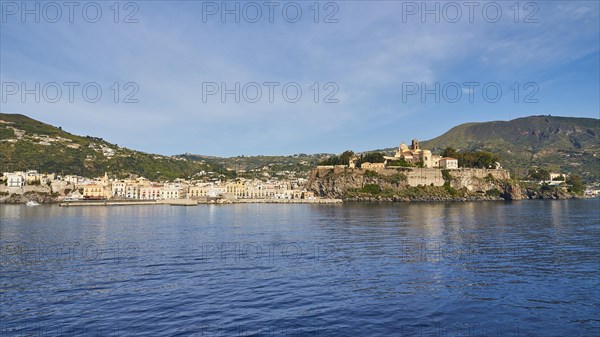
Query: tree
[401,162]
[372,157]
[576,185]
[345,157]
[539,175]
[341,160]
[450,152]
[479,159]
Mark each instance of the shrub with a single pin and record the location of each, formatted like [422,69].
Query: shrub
[371,174]
[401,162]
[451,190]
[396,178]
[494,192]
[371,189]
[447,177]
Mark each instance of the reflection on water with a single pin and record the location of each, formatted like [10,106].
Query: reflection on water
[430,269]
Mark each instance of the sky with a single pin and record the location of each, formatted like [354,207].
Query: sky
[228,78]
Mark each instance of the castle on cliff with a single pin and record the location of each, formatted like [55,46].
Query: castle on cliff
[415,154]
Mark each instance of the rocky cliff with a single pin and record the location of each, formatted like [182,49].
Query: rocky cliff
[399,185]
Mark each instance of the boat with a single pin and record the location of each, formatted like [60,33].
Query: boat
[32,203]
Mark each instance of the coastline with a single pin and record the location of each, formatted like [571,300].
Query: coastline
[324,201]
[192,202]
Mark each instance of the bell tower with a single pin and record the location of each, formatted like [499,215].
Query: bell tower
[415,144]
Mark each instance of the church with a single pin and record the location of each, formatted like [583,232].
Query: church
[415,154]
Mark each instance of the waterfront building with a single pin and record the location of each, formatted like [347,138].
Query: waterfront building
[15,179]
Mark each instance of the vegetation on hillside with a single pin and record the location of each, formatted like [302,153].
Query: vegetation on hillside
[557,144]
[338,160]
[474,159]
[553,144]
[262,167]
[29,144]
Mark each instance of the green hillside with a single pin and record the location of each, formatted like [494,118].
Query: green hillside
[557,143]
[29,144]
[565,144]
[255,166]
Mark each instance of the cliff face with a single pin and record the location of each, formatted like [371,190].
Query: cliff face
[337,182]
[401,185]
[42,198]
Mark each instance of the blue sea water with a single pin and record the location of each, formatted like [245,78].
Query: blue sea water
[527,268]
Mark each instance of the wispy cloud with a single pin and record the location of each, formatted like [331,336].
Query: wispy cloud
[368,54]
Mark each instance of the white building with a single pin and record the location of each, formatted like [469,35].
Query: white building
[132,192]
[16,179]
[119,189]
[170,192]
[449,163]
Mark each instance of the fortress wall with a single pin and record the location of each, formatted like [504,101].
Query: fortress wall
[467,177]
[425,177]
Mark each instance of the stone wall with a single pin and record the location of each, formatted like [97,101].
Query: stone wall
[336,181]
[470,177]
[425,177]
[464,177]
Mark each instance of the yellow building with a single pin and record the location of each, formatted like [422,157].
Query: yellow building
[368,165]
[96,191]
[415,155]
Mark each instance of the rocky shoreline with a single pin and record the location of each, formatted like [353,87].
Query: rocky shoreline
[394,186]
[449,199]
[42,198]
[530,195]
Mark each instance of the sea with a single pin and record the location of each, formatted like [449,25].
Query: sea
[487,268]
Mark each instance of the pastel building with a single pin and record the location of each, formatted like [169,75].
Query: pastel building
[448,163]
[15,179]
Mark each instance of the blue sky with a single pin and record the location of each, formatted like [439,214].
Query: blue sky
[372,55]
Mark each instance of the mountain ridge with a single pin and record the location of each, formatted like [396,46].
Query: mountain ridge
[566,144]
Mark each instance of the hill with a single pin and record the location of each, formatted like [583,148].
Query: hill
[256,166]
[556,143]
[565,144]
[29,144]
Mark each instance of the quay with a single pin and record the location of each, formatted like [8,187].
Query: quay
[172,202]
[193,202]
[288,201]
